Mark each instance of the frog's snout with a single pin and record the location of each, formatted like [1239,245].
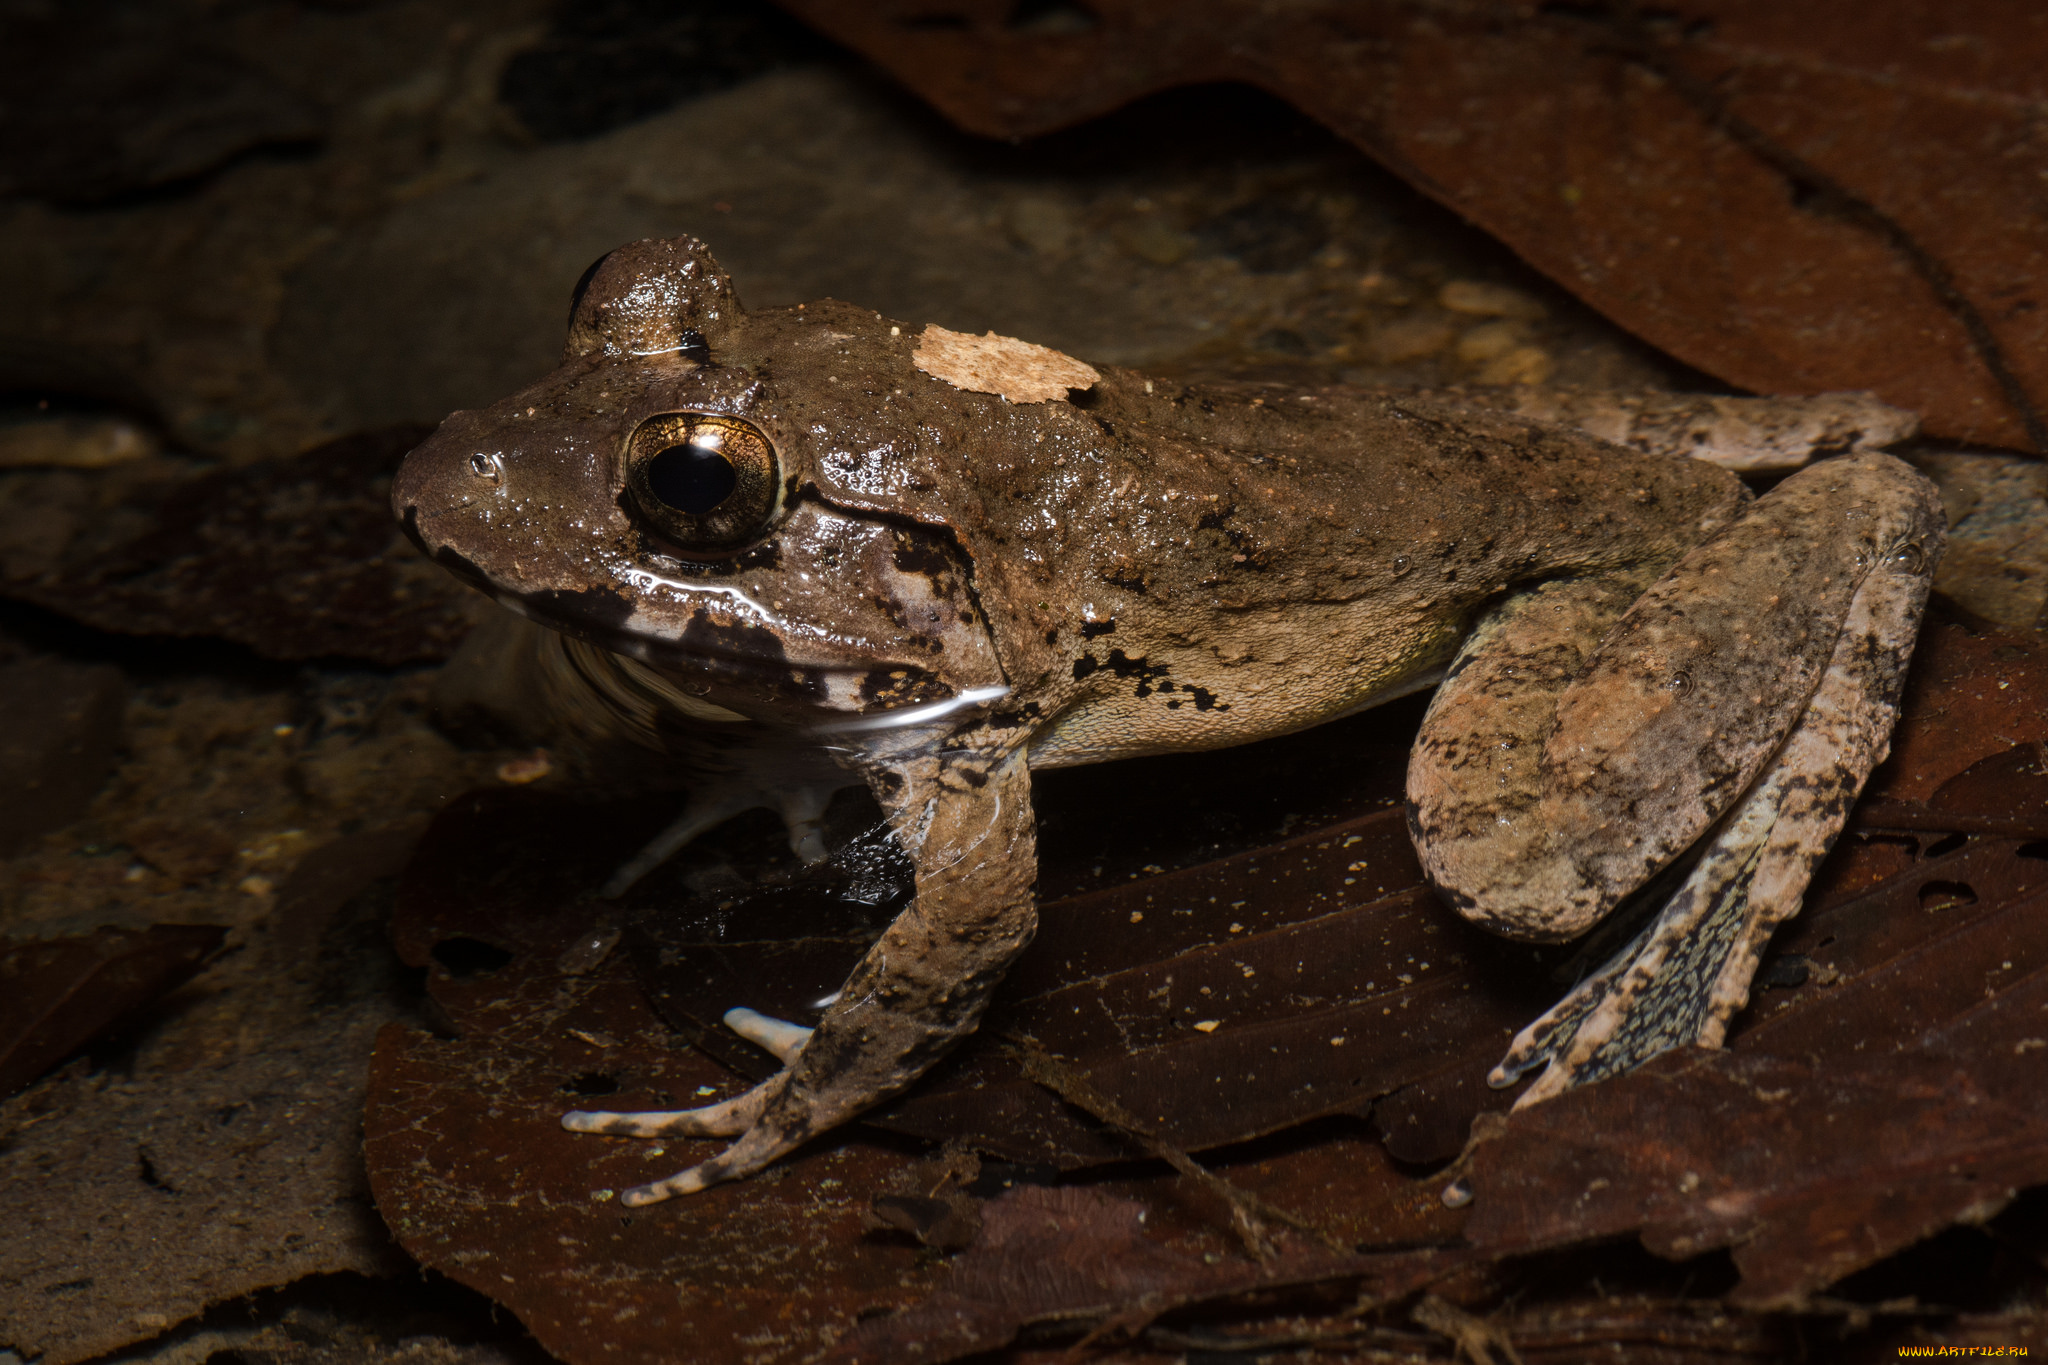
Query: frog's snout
[431,483]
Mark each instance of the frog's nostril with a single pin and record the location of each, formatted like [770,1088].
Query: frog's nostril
[692,478]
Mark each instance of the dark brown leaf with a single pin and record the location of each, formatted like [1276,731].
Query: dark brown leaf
[324,880]
[472,1170]
[58,995]
[1298,941]
[2008,790]
[1792,198]
[1808,1172]
[295,558]
[1972,694]
[1083,1254]
[1886,1094]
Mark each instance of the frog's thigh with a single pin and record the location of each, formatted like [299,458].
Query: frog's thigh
[1754,686]
[924,984]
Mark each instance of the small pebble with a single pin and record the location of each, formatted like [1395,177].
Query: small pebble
[1479,299]
[518,772]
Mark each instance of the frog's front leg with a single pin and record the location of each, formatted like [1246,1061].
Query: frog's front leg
[1576,749]
[964,815]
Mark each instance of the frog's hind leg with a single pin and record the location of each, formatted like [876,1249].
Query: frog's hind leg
[1575,750]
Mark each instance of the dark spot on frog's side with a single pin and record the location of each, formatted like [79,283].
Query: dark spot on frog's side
[1010,720]
[897,614]
[1092,629]
[1123,666]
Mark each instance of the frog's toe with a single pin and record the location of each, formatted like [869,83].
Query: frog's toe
[727,1118]
[778,1036]
[762,1145]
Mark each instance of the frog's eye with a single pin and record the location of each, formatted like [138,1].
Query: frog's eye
[707,484]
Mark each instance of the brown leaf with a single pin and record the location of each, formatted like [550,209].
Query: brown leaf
[1807,1172]
[135,1202]
[1217,1003]
[477,1179]
[295,558]
[113,102]
[1887,1095]
[58,995]
[1971,694]
[323,881]
[1793,199]
[475,1175]
[2009,790]
[1079,1254]
[1295,940]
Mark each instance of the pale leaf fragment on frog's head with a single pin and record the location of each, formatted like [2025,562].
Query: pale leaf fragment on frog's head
[1017,370]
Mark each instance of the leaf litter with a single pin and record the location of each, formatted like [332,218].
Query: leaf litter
[1793,199]
[1879,1084]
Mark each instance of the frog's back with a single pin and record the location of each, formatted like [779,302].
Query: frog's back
[1293,555]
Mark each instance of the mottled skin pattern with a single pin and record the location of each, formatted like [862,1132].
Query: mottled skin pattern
[948,590]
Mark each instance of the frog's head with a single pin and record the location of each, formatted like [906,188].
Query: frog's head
[657,496]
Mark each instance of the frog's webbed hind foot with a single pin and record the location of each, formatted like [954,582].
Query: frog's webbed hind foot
[1677,983]
[1734,711]
[728,1118]
[743,1117]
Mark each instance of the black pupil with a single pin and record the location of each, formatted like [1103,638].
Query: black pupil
[691,478]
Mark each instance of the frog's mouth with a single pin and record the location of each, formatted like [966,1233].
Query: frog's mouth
[738,662]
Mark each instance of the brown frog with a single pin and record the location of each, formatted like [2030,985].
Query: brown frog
[939,562]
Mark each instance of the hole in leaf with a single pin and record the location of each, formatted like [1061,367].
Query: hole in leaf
[1945,895]
[470,956]
[2033,848]
[1946,845]
[591,1083]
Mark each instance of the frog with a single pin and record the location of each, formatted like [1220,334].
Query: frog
[932,564]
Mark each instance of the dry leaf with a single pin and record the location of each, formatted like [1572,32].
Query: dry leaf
[1018,370]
